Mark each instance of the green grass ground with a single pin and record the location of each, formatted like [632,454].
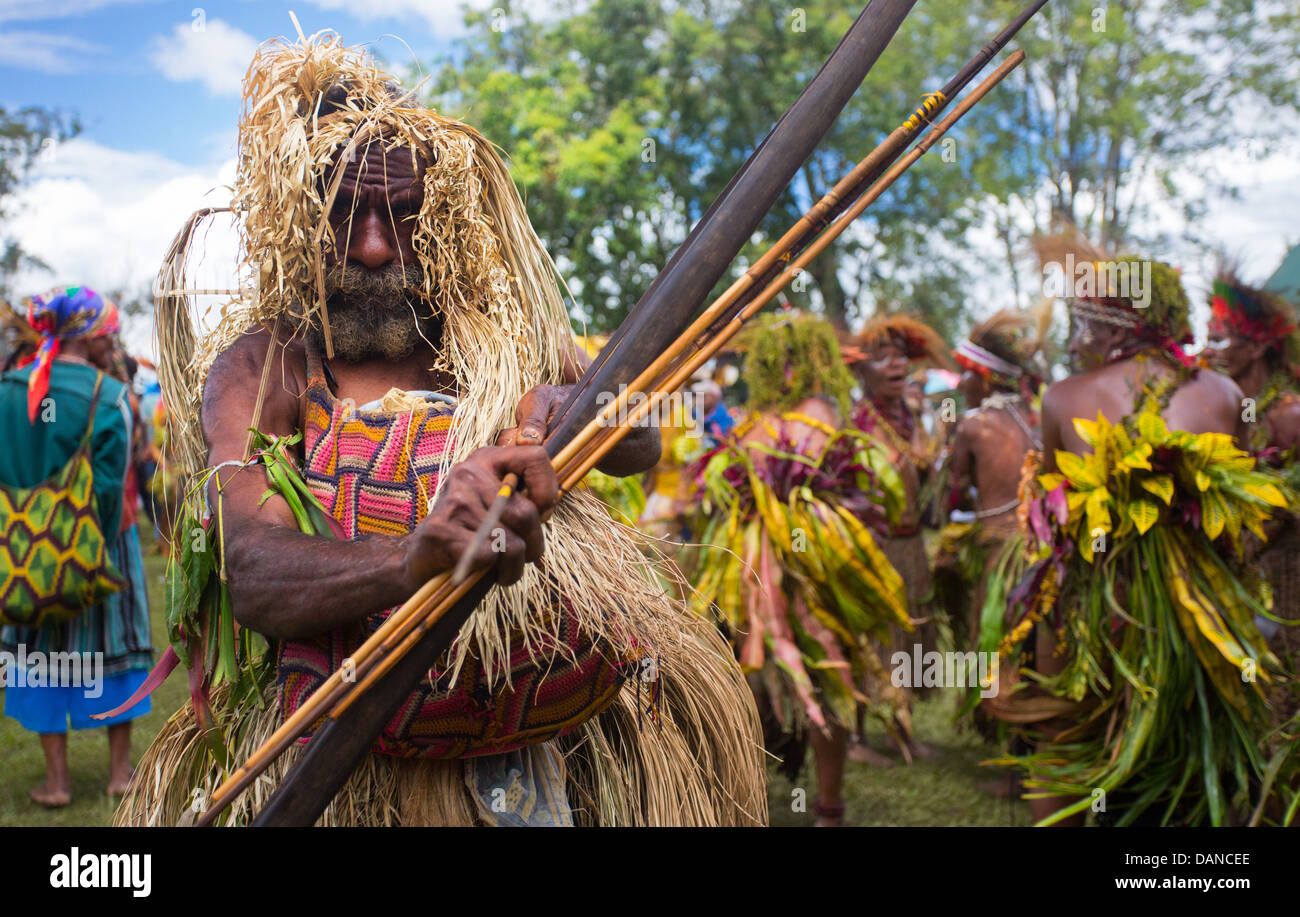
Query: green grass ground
[24,765]
[943,791]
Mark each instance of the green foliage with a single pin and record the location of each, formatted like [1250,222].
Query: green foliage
[791,359]
[1116,98]
[625,118]
[1169,307]
[1158,619]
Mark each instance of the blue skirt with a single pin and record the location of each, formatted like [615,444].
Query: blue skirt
[47,710]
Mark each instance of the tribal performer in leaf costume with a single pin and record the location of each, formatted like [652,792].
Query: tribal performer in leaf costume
[788,556]
[1139,614]
[1254,337]
[882,356]
[999,382]
[411,341]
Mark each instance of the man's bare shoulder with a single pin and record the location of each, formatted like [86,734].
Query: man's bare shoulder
[1214,384]
[819,409]
[233,381]
[1284,421]
[248,353]
[1066,391]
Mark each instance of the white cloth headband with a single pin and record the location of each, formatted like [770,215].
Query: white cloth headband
[978,354]
[1109,316]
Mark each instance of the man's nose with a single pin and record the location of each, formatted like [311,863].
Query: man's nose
[371,241]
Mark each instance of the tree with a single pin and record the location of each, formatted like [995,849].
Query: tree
[24,135]
[1120,101]
[625,118]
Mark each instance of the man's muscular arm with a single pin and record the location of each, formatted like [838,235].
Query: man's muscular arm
[289,585]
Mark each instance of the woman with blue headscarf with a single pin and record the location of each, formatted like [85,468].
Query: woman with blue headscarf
[64,673]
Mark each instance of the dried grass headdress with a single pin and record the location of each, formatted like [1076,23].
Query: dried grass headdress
[505,328]
[920,342]
[1103,296]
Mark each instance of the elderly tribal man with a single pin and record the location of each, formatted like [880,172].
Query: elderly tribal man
[429,361]
[1139,612]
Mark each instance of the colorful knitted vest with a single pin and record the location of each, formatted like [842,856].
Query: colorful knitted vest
[375,473]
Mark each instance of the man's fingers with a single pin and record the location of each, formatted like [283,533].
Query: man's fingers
[506,550]
[532,466]
[522,518]
[533,411]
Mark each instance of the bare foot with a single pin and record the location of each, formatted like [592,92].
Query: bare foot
[50,797]
[865,754]
[922,751]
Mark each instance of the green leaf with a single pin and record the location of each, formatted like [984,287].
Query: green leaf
[1076,469]
[1161,485]
[1144,513]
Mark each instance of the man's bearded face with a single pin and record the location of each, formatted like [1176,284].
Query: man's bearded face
[377,313]
[373,287]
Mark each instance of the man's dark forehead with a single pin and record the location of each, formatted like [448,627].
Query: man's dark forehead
[374,165]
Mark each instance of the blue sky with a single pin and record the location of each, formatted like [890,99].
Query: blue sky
[162,77]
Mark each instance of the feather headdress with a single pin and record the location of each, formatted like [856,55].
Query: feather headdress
[1257,315]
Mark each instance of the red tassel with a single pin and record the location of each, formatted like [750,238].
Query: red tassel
[159,674]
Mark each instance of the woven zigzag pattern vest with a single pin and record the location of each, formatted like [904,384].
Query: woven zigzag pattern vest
[374,472]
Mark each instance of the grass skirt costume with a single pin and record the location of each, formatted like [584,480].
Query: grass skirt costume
[599,698]
[1137,569]
[567,725]
[903,546]
[789,559]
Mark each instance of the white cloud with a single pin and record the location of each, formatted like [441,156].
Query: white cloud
[105,218]
[210,51]
[45,52]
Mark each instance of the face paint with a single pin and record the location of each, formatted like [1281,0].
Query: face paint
[884,371]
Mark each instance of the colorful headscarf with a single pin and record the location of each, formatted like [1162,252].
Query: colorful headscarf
[61,314]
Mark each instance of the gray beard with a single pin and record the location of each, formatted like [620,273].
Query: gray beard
[374,314]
